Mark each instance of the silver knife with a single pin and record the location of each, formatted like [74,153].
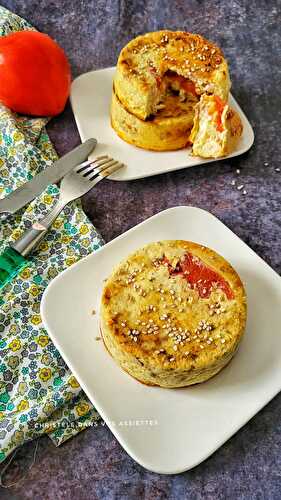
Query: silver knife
[52,174]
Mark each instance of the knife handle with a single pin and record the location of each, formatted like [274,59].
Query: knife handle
[29,239]
[11,263]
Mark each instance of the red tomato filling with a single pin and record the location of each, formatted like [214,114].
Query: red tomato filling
[199,276]
[220,107]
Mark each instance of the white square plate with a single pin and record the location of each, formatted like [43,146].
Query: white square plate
[90,100]
[187,425]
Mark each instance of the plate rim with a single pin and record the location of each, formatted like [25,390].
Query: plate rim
[84,385]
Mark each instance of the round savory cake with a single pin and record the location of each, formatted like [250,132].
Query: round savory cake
[146,63]
[173,313]
[171,90]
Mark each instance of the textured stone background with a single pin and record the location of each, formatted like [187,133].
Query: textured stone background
[93,465]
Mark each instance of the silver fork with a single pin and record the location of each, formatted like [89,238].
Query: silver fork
[74,185]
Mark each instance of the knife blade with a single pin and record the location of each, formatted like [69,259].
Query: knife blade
[52,174]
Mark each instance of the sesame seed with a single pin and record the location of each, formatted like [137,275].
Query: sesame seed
[240,187]
[175,348]
[277,169]
[223,341]
[244,191]
[233,182]
[266,164]
[238,171]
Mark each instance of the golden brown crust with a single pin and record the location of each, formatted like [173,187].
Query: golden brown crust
[159,328]
[145,60]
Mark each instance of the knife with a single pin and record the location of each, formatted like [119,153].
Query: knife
[52,174]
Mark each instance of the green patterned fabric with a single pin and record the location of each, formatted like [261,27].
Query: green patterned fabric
[38,394]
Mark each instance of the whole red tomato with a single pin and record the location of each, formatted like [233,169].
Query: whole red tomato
[34,74]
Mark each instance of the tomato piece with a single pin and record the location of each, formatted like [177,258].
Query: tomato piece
[183,83]
[34,74]
[220,104]
[199,275]
[188,86]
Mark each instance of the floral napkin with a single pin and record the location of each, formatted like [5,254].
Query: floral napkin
[38,394]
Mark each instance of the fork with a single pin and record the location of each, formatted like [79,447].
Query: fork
[74,185]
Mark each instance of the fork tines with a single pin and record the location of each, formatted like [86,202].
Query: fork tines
[102,166]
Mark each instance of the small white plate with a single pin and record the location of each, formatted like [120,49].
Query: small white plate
[169,430]
[90,100]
